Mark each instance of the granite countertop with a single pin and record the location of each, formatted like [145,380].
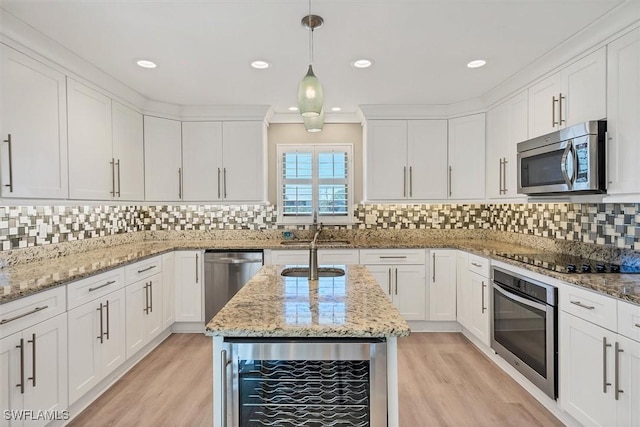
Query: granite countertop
[31,277]
[270,305]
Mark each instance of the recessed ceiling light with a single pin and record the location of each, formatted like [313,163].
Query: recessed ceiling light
[145,63]
[260,65]
[336,109]
[293,108]
[476,63]
[362,63]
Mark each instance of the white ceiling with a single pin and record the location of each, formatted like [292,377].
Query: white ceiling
[203,48]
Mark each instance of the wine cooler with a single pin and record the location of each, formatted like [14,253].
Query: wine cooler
[341,383]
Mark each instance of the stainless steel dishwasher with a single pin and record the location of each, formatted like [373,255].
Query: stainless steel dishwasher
[225,272]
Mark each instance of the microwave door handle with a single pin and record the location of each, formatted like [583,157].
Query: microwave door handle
[563,165]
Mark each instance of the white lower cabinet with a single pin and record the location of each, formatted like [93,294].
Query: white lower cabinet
[599,368]
[143,312]
[33,364]
[189,286]
[401,273]
[442,285]
[97,344]
[325,256]
[168,289]
[463,290]
[479,314]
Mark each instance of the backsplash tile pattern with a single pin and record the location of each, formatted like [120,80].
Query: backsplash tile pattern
[615,225]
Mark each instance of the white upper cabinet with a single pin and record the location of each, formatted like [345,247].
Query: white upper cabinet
[202,160]
[90,153]
[243,167]
[507,124]
[406,159]
[162,159]
[223,161]
[575,94]
[128,152]
[33,117]
[106,153]
[467,157]
[623,121]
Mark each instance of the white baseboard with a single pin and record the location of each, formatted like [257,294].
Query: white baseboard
[81,404]
[188,328]
[433,326]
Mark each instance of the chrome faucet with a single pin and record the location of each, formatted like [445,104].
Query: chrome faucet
[313,251]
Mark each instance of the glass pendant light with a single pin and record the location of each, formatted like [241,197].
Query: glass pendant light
[314,124]
[310,96]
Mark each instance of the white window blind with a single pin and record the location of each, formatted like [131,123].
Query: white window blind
[315,178]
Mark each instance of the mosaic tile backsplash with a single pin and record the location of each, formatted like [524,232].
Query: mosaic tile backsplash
[616,225]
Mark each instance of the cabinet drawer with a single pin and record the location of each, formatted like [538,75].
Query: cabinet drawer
[289,257]
[93,287]
[393,256]
[143,269]
[629,320]
[589,306]
[479,265]
[338,256]
[28,311]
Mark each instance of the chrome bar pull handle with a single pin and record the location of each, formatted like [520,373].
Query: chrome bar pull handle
[604,365]
[404,181]
[33,360]
[410,181]
[396,281]
[118,165]
[224,172]
[560,98]
[147,269]
[19,316]
[179,183]
[475,264]
[483,287]
[389,282]
[10,184]
[101,334]
[113,177]
[637,325]
[108,328]
[553,111]
[500,177]
[223,366]
[146,298]
[197,268]
[392,257]
[21,347]
[110,282]
[218,183]
[150,296]
[616,374]
[434,268]
[450,186]
[504,176]
[579,304]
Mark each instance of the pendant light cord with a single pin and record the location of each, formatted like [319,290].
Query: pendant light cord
[310,36]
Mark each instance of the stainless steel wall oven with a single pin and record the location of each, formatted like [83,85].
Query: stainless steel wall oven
[306,382]
[524,327]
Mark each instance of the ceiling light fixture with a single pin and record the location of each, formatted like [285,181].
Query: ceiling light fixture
[315,123]
[336,109]
[362,63]
[476,63]
[145,63]
[310,96]
[260,65]
[293,108]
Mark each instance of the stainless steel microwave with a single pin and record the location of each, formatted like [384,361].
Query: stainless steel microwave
[571,160]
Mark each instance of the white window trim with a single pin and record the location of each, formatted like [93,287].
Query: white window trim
[325,219]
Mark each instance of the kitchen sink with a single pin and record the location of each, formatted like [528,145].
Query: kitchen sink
[320,242]
[304,272]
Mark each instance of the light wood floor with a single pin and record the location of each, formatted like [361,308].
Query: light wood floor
[444,381]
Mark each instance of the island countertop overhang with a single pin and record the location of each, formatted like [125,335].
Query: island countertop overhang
[270,305]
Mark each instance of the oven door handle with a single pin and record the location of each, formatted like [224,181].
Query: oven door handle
[519,299]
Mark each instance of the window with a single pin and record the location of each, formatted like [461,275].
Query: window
[315,178]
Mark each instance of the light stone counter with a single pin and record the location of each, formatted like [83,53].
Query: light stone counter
[270,305]
[31,272]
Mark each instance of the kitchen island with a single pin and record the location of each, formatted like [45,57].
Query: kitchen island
[296,327]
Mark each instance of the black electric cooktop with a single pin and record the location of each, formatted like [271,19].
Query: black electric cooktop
[571,264]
